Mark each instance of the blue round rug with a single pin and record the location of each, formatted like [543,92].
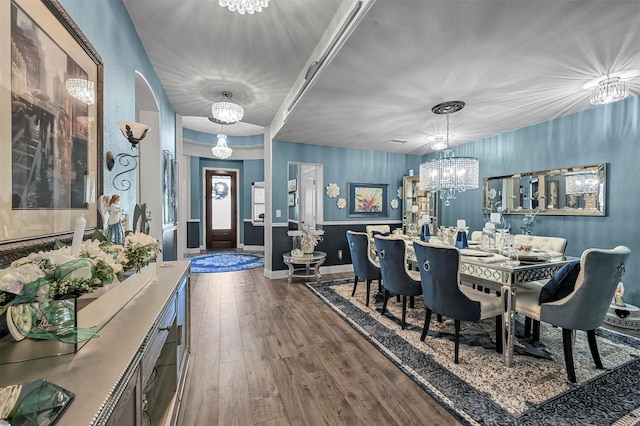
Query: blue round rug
[225,262]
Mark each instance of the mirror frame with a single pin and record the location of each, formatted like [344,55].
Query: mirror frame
[493,204]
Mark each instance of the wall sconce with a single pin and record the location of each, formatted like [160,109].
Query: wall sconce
[134,132]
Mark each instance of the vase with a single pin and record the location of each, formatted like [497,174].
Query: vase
[307,247]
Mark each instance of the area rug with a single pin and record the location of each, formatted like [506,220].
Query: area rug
[225,262]
[480,390]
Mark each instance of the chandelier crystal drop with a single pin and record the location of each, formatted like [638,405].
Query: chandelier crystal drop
[244,6]
[221,150]
[609,90]
[81,89]
[225,111]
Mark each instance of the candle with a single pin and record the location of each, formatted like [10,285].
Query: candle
[495,217]
[78,233]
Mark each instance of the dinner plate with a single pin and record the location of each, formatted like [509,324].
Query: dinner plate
[476,253]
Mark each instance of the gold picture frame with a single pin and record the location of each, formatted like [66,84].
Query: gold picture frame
[50,134]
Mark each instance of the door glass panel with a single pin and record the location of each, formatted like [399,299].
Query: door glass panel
[221,202]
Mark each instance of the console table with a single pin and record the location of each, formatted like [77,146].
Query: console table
[314,260]
[134,372]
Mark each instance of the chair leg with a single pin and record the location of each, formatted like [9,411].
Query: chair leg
[568,354]
[384,303]
[439,318]
[425,327]
[404,311]
[591,336]
[499,334]
[355,284]
[368,291]
[536,330]
[380,285]
[527,326]
[457,341]
[412,303]
[398,298]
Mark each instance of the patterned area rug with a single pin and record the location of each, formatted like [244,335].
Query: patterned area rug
[480,389]
[225,262]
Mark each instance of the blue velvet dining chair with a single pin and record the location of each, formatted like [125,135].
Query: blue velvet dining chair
[581,307]
[396,278]
[363,265]
[445,295]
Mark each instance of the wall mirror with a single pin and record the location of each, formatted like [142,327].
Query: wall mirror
[304,195]
[579,191]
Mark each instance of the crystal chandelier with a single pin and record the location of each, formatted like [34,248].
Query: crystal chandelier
[225,111]
[81,89]
[449,174]
[244,6]
[221,150]
[609,90]
[582,183]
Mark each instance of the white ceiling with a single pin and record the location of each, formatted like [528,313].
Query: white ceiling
[513,62]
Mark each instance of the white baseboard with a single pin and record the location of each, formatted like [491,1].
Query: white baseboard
[253,248]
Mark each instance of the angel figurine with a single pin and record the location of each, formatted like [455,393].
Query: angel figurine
[111,211]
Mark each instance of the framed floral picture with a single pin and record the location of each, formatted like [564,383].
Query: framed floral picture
[368,199]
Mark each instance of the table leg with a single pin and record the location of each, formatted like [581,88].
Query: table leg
[291,270]
[316,269]
[508,324]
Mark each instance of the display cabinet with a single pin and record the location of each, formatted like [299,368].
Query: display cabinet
[418,205]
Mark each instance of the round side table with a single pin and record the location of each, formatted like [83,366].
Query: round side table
[300,266]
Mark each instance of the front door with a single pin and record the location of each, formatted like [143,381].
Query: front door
[221,196]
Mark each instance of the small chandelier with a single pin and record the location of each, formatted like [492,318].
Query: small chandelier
[81,89]
[580,183]
[221,150]
[440,142]
[449,174]
[610,89]
[244,6]
[225,111]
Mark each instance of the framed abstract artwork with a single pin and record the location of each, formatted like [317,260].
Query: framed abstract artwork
[50,124]
[368,200]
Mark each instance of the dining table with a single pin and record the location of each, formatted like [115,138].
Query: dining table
[489,269]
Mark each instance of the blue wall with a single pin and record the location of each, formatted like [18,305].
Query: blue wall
[108,27]
[607,134]
[341,166]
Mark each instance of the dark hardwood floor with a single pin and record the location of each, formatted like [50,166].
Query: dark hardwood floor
[269,352]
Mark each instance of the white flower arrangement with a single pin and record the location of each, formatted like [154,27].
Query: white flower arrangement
[140,249]
[57,274]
